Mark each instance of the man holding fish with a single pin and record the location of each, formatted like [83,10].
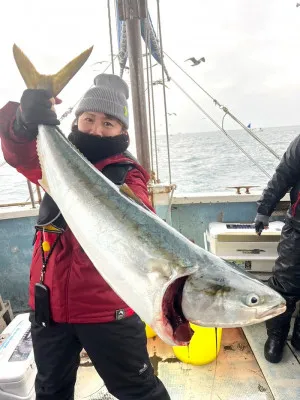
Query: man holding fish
[74,306]
[102,258]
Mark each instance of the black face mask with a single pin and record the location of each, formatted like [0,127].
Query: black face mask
[96,148]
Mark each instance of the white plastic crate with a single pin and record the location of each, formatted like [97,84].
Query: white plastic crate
[239,243]
[17,366]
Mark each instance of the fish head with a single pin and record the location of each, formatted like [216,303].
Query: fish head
[167,277]
[222,295]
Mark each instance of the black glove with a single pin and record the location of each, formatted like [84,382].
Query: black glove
[261,222]
[34,109]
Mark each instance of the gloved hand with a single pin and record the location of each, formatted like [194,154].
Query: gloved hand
[34,109]
[261,222]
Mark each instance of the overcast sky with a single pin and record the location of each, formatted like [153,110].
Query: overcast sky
[251,47]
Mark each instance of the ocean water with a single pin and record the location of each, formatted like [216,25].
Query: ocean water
[200,162]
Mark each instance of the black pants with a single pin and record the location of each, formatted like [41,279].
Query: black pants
[117,350]
[280,325]
[286,278]
[286,272]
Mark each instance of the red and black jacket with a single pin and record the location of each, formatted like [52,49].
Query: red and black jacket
[78,293]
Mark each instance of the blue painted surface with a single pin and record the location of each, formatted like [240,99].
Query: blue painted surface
[16,240]
[16,237]
[192,219]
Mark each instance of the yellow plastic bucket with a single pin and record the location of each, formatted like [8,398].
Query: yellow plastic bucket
[149,331]
[203,347]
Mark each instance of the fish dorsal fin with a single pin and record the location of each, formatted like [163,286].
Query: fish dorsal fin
[54,83]
[125,189]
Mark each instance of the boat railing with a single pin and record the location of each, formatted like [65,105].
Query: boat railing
[35,200]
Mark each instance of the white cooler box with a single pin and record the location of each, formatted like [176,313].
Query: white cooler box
[17,366]
[239,243]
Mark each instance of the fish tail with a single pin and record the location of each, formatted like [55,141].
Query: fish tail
[54,83]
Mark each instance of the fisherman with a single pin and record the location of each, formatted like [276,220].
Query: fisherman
[72,305]
[286,272]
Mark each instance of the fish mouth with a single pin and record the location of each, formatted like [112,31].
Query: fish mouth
[273,312]
[173,314]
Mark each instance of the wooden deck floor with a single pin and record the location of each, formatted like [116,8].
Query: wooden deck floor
[235,375]
[283,378]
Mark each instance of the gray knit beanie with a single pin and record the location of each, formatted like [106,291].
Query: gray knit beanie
[109,96]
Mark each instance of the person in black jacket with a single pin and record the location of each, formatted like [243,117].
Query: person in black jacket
[286,272]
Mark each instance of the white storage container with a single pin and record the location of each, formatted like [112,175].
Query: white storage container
[240,244]
[17,366]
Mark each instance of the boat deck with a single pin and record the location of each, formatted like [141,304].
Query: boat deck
[283,378]
[239,373]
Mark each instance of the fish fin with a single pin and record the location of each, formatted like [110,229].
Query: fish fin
[62,77]
[26,68]
[44,183]
[125,189]
[54,83]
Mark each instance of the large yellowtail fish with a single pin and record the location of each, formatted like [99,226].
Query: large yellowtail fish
[164,277]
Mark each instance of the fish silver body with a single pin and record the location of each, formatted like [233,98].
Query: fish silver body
[164,277]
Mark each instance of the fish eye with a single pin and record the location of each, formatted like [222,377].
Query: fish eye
[252,300]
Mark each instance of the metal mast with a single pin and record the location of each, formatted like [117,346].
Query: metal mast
[132,11]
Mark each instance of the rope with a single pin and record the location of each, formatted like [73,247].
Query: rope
[225,109]
[164,89]
[223,130]
[110,37]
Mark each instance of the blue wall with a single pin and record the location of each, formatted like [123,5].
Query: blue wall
[192,219]
[16,237]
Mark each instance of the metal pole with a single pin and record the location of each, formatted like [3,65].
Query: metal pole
[38,191]
[31,193]
[132,11]
[23,203]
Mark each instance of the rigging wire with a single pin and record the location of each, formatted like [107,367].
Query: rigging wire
[154,121]
[110,37]
[225,109]
[70,109]
[164,89]
[148,92]
[152,98]
[222,129]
